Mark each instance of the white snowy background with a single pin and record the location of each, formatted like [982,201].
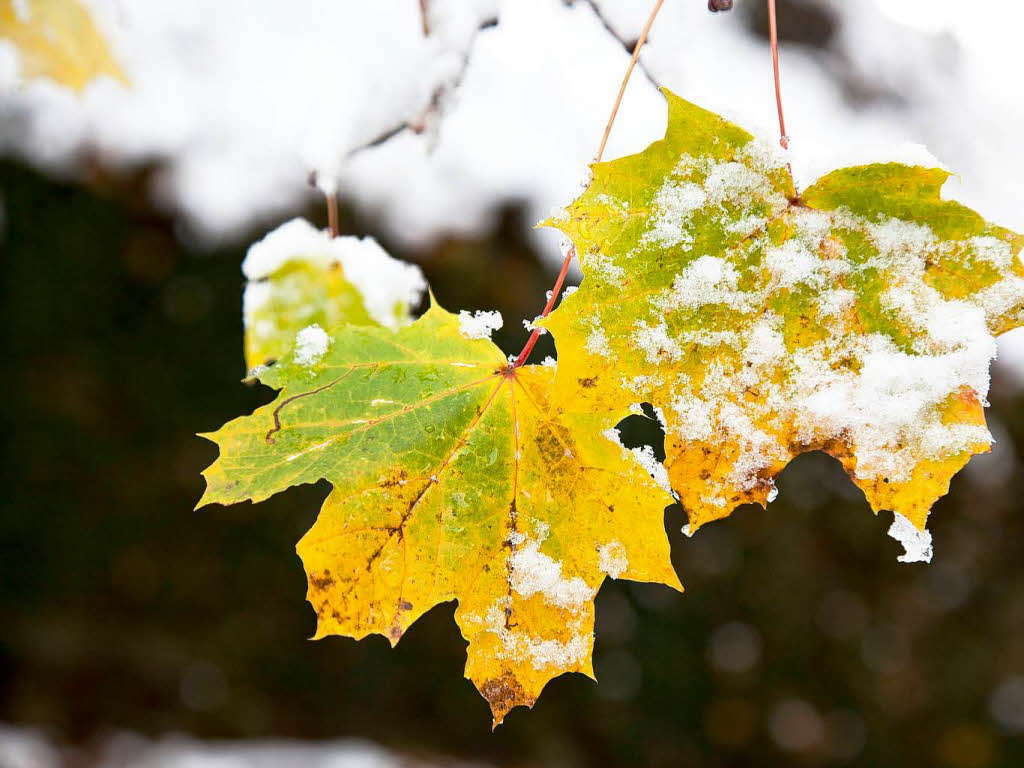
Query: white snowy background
[236,101]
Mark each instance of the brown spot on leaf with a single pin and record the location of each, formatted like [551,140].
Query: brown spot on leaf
[396,479]
[321,582]
[503,695]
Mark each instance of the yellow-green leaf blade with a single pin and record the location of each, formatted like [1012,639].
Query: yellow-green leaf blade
[857,319]
[454,478]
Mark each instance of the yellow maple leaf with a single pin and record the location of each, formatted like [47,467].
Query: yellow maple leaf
[856,318]
[57,39]
[454,479]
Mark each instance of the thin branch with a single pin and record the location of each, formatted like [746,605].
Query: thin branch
[773,32]
[425,16]
[380,138]
[623,41]
[432,109]
[625,80]
[419,123]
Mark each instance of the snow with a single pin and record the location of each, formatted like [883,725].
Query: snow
[229,98]
[645,457]
[480,324]
[534,572]
[542,652]
[243,98]
[531,326]
[706,280]
[611,559]
[675,203]
[385,283]
[601,268]
[656,343]
[597,341]
[917,544]
[310,346]
[792,263]
[27,748]
[888,404]
[693,418]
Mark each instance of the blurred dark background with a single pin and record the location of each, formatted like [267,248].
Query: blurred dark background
[801,640]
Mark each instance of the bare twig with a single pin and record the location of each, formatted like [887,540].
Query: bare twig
[434,106]
[623,41]
[625,80]
[773,31]
[425,16]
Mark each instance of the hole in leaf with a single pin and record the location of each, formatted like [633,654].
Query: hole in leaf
[636,431]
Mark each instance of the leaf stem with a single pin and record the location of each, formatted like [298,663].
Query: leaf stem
[328,185]
[425,17]
[332,212]
[571,251]
[773,32]
[522,356]
[625,80]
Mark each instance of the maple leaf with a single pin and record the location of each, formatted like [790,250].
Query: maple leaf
[857,318]
[300,277]
[57,39]
[453,479]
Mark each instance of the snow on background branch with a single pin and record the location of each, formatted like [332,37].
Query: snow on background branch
[237,101]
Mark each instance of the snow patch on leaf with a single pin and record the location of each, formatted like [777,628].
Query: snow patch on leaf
[384,283]
[538,651]
[858,319]
[534,572]
[480,324]
[611,559]
[311,345]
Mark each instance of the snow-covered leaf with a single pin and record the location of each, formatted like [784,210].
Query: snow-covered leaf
[301,277]
[856,318]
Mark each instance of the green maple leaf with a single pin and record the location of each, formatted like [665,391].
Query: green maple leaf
[857,318]
[453,479]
